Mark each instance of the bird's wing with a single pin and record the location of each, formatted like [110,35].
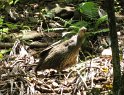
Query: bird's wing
[46,50]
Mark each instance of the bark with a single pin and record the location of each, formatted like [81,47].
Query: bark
[114,46]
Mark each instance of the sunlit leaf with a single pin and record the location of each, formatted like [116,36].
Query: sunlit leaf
[4,51]
[101,20]
[89,8]
[108,86]
[16,1]
[11,25]
[10,2]
[81,23]
[5,30]
[1,56]
[1,30]
[105,70]
[1,21]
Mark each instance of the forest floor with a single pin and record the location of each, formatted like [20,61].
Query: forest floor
[20,48]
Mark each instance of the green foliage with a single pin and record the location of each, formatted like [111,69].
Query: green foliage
[90,9]
[4,3]
[100,31]
[4,30]
[81,23]
[5,26]
[11,1]
[100,21]
[15,1]
[2,52]
[1,21]
[77,25]
[1,56]
[49,14]
[93,21]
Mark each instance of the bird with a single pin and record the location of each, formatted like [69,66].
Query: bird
[61,55]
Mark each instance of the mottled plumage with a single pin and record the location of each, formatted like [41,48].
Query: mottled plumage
[62,55]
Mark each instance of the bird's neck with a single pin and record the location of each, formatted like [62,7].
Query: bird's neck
[79,40]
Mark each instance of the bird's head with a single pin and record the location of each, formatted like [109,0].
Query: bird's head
[77,39]
[82,32]
[81,35]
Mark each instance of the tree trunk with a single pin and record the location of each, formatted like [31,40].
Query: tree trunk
[114,46]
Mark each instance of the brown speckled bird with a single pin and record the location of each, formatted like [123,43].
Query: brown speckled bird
[62,55]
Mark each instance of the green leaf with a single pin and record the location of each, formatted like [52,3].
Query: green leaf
[80,24]
[11,25]
[99,31]
[5,30]
[10,2]
[16,1]
[89,8]
[4,51]
[1,56]
[1,21]
[1,31]
[101,20]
